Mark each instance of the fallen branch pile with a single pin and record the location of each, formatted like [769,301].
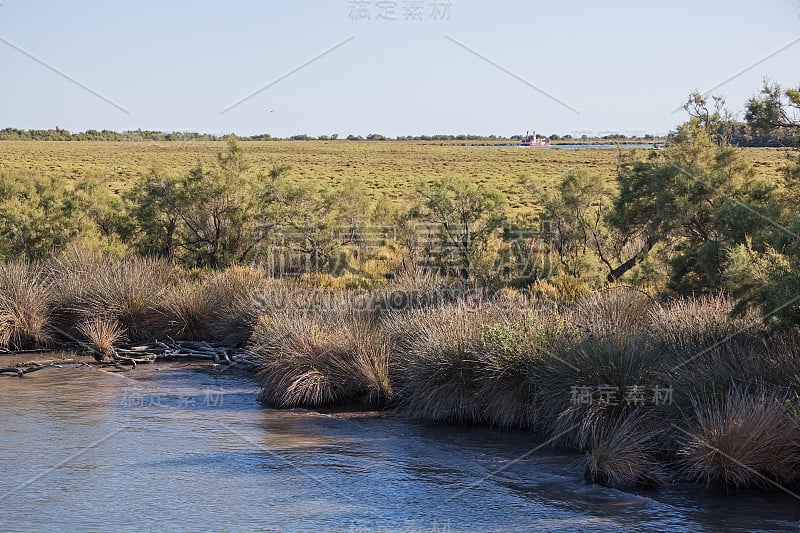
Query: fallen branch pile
[182,351]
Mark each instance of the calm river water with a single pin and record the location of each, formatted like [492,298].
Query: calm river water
[182,449]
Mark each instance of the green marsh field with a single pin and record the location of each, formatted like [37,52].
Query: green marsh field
[386,168]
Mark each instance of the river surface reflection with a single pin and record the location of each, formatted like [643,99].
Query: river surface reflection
[181,449]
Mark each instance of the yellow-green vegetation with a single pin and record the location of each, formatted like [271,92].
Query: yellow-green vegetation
[568,220]
[390,169]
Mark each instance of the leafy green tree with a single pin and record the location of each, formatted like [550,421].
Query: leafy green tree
[353,203]
[208,218]
[764,271]
[774,108]
[38,215]
[580,212]
[575,212]
[311,225]
[467,215]
[155,210]
[768,280]
[222,211]
[694,197]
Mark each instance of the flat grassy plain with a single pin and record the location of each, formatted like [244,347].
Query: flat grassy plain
[390,168]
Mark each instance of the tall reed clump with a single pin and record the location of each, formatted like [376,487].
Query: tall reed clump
[26,306]
[437,362]
[456,363]
[189,310]
[710,350]
[241,295]
[622,450]
[745,438]
[607,371]
[417,290]
[687,326]
[615,311]
[595,380]
[71,274]
[130,291]
[510,347]
[329,356]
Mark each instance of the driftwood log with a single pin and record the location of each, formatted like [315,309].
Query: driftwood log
[135,354]
[21,371]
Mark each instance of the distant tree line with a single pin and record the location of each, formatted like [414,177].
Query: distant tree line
[737,133]
[58,134]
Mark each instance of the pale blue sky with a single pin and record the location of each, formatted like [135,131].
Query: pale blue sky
[621,65]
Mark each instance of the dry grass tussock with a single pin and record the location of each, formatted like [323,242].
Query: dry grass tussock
[687,326]
[322,358]
[26,306]
[103,333]
[455,363]
[621,451]
[131,291]
[746,438]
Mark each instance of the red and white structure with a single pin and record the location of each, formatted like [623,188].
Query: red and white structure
[531,139]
